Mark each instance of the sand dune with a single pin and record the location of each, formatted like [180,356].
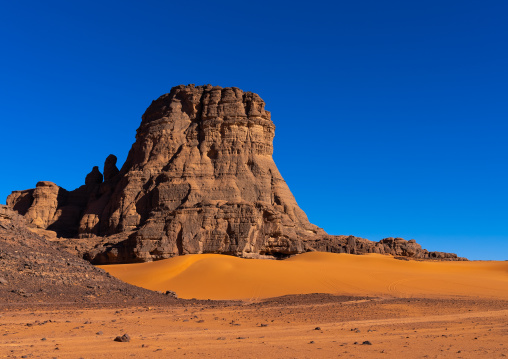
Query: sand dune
[214,276]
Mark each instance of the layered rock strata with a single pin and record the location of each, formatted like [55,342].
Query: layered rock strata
[200,178]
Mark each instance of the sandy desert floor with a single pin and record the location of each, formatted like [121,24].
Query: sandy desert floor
[315,326]
[379,307]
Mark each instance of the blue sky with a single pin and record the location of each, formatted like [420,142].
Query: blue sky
[391,116]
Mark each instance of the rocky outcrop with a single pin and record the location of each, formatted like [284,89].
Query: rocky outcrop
[200,178]
[52,207]
[34,271]
[398,247]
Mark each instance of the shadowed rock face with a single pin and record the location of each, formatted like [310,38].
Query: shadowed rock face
[200,178]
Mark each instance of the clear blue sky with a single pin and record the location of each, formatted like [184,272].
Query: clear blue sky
[391,115]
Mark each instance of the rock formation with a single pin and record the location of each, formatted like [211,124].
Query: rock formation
[200,178]
[34,270]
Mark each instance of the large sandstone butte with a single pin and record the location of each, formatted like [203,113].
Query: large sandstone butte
[200,178]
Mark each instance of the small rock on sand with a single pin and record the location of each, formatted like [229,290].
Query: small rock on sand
[124,338]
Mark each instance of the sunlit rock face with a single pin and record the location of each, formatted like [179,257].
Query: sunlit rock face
[200,178]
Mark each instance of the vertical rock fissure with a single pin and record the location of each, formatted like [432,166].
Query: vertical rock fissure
[179,242]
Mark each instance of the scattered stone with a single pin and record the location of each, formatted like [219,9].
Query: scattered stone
[366,343]
[124,338]
[317,328]
[22,293]
[99,332]
[171,294]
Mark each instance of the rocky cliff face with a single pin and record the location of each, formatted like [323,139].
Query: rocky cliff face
[200,178]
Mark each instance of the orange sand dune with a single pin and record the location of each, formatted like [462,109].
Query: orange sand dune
[214,276]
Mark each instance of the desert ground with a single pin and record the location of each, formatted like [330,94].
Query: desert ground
[370,306]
